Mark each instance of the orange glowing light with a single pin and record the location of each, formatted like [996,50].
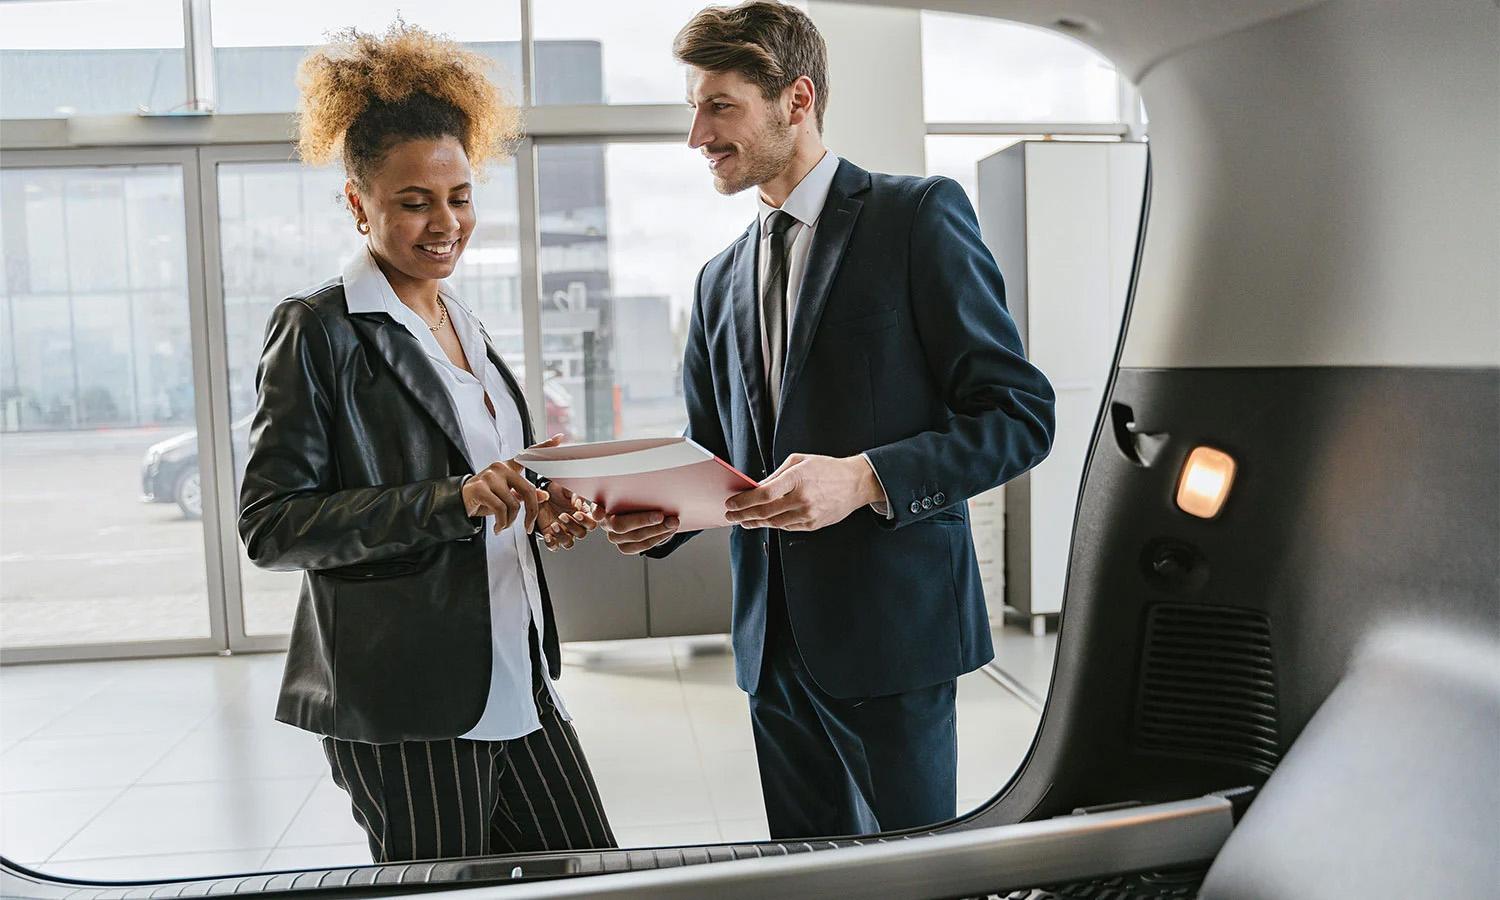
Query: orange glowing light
[1206,478]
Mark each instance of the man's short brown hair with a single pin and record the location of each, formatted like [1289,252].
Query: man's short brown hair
[771,44]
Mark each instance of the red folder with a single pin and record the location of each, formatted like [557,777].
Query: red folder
[673,475]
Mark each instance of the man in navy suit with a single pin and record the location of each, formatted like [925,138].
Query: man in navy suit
[852,351]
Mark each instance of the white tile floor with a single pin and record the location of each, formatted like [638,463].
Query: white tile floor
[175,767]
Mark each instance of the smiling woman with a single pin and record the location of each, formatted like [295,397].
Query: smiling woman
[424,645]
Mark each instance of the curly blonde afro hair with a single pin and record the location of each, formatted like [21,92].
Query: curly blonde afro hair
[363,93]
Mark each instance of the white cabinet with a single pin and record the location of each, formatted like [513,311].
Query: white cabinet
[1061,219]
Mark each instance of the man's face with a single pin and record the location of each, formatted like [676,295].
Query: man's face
[745,137]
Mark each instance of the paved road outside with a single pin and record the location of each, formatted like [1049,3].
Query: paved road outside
[83,560]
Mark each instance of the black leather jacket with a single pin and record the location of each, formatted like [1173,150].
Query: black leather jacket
[354,478]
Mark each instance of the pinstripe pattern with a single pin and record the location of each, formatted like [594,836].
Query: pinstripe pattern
[458,792]
[543,776]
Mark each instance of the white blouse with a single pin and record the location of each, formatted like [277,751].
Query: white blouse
[515,596]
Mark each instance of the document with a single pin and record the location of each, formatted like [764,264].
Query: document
[674,475]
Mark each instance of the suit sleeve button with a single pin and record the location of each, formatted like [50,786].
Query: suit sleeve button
[927,503]
[916,506]
[939,498]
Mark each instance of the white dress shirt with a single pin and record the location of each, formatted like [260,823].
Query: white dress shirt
[805,205]
[515,595]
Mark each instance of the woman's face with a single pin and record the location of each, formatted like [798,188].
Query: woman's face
[419,208]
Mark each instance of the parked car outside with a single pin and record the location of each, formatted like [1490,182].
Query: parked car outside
[170,471]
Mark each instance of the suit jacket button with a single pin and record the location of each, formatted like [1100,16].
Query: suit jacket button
[916,506]
[927,503]
[939,498]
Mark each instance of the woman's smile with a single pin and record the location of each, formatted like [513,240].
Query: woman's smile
[441,251]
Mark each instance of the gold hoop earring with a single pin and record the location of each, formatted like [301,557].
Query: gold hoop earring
[362,227]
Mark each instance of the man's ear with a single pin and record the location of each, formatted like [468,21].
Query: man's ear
[804,97]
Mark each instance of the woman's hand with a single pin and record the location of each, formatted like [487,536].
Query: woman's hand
[502,491]
[562,518]
[565,518]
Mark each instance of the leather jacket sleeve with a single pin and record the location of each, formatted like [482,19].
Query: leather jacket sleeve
[293,515]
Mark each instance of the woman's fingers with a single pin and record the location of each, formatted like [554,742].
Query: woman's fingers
[560,540]
[549,442]
[531,498]
[498,504]
[499,476]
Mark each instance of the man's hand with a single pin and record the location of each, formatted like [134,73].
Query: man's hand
[807,493]
[638,532]
[565,518]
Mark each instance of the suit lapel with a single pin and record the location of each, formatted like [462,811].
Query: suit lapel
[747,334]
[409,362]
[830,238]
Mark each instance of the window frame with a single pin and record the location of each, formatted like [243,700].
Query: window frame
[204,388]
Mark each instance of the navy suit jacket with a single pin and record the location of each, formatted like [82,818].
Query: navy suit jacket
[901,347]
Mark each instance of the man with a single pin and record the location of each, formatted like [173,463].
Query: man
[853,351]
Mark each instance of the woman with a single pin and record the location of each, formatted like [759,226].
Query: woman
[424,644]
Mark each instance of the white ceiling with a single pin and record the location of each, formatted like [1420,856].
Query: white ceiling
[1133,34]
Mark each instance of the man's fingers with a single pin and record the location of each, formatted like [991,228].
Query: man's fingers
[620,538]
[635,547]
[624,523]
[785,464]
[649,533]
[764,511]
[770,490]
[794,520]
[752,498]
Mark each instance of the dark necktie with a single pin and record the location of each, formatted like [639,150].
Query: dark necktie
[773,304]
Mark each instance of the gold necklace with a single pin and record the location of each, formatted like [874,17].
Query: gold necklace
[442,321]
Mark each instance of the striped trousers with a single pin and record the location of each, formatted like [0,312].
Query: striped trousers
[457,797]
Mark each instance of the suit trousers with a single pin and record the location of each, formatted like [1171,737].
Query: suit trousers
[832,766]
[458,797]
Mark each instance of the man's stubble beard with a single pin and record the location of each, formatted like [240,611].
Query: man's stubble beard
[763,159]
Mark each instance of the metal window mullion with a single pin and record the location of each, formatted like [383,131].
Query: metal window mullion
[528,57]
[213,425]
[530,234]
[198,50]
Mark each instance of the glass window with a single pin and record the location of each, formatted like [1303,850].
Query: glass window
[600,51]
[259,43]
[624,230]
[99,480]
[979,69]
[90,57]
[282,228]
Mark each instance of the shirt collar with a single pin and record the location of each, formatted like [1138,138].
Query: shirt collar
[366,289]
[805,203]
